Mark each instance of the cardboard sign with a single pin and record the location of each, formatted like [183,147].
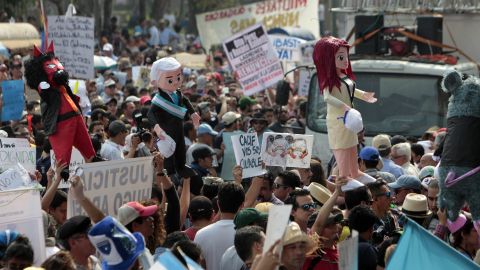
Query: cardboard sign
[20,211]
[214,26]
[110,184]
[278,217]
[16,177]
[304,82]
[76,160]
[9,157]
[13,100]
[348,251]
[287,150]
[228,156]
[288,48]
[254,60]
[247,154]
[80,89]
[74,41]
[13,142]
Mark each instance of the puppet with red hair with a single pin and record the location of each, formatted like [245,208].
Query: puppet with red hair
[336,82]
[61,114]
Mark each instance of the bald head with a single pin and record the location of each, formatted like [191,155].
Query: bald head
[427,160]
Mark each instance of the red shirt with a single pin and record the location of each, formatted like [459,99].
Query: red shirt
[191,232]
[329,260]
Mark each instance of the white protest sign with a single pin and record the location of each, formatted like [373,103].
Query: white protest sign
[254,60]
[288,48]
[304,82]
[287,150]
[348,251]
[13,142]
[16,177]
[247,154]
[9,157]
[215,26]
[278,216]
[76,160]
[110,184]
[306,50]
[20,211]
[74,41]
[80,89]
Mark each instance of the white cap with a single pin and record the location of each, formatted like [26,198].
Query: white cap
[353,120]
[132,99]
[107,47]
[163,64]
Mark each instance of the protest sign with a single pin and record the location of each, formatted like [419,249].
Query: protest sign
[110,184]
[20,211]
[306,50]
[278,217]
[215,26]
[74,41]
[304,82]
[9,157]
[287,150]
[228,156]
[254,60]
[288,48]
[247,154]
[80,89]
[167,261]
[348,251]
[141,77]
[13,142]
[76,160]
[16,177]
[12,100]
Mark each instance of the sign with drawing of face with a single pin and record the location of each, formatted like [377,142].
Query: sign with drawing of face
[287,150]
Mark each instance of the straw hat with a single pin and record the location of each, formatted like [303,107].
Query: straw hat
[293,234]
[415,205]
[263,207]
[319,192]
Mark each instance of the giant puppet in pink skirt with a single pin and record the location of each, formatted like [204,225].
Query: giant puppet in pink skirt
[336,82]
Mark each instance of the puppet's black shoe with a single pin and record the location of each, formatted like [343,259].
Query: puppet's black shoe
[65,174]
[187,172]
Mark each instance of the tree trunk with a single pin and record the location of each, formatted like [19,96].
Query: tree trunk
[107,13]
[192,21]
[158,9]
[60,5]
[98,17]
[142,9]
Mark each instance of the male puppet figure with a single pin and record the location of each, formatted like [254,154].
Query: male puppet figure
[170,109]
[60,108]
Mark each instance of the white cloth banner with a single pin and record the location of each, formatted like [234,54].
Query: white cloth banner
[20,211]
[74,42]
[254,60]
[110,184]
[215,26]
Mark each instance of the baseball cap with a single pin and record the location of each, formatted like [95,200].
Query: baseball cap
[145,99]
[247,216]
[406,181]
[369,153]
[230,117]
[203,106]
[110,100]
[190,84]
[97,113]
[381,142]
[116,127]
[132,210]
[108,83]
[132,99]
[107,47]
[202,152]
[74,225]
[206,129]
[246,101]
[427,171]
[200,205]
[334,217]
[456,225]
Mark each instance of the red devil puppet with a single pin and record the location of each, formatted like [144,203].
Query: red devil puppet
[60,109]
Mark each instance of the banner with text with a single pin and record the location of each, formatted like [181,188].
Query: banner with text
[247,154]
[110,184]
[288,48]
[20,211]
[9,157]
[13,100]
[215,26]
[74,41]
[253,58]
[287,150]
[76,160]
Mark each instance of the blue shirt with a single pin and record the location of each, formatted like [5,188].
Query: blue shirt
[391,167]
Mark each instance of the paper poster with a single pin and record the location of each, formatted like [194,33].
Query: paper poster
[306,50]
[287,150]
[20,210]
[278,217]
[304,82]
[13,101]
[253,59]
[142,80]
[10,157]
[247,154]
[110,184]
[76,160]
[14,178]
[229,161]
[288,48]
[74,42]
[80,89]
[217,25]
[13,142]
[348,250]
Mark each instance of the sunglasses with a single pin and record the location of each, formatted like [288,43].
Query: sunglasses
[277,185]
[387,194]
[308,206]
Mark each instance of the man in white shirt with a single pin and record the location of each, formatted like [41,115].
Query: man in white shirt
[166,34]
[112,148]
[401,155]
[216,238]
[154,34]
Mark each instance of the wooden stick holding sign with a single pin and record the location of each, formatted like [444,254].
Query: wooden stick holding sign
[247,154]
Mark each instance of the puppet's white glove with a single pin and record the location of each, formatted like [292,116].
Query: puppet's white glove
[43,86]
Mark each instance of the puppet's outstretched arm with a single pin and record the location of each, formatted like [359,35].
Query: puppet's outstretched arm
[365,96]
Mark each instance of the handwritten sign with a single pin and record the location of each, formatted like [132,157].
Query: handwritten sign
[253,58]
[74,41]
[287,150]
[304,82]
[9,157]
[76,160]
[13,142]
[217,25]
[13,178]
[288,48]
[247,154]
[13,100]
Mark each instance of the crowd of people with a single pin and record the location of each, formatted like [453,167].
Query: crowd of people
[220,222]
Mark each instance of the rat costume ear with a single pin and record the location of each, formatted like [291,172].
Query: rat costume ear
[36,51]
[451,81]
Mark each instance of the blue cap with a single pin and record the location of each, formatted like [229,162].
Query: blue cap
[369,153]
[206,129]
[119,247]
[406,181]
